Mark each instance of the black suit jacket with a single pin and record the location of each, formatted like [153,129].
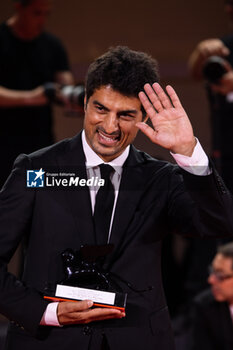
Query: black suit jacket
[212,324]
[155,198]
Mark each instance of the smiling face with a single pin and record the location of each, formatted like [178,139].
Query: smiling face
[221,278]
[110,122]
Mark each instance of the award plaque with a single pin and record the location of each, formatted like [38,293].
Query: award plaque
[85,278]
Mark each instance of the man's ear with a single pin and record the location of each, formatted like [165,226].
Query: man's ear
[145,118]
[85,103]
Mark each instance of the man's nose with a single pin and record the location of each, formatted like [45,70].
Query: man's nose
[111,123]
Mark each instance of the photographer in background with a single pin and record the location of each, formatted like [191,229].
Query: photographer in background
[212,60]
[29,59]
[213,308]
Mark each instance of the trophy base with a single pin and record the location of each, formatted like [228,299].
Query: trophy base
[100,298]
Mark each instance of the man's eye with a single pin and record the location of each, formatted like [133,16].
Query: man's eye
[126,116]
[100,108]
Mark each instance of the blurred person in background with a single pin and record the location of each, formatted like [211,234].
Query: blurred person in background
[212,61]
[30,60]
[213,308]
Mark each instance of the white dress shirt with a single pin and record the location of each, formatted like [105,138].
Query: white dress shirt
[92,165]
[197,164]
[231,311]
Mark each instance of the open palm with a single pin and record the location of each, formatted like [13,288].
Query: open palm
[171,126]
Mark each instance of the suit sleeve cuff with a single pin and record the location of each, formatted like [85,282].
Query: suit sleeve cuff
[197,164]
[50,316]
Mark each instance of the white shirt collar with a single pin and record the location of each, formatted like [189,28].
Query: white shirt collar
[93,160]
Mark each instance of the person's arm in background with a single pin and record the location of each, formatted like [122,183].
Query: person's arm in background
[205,49]
[16,98]
[35,97]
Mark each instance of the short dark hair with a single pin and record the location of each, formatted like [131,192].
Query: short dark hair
[125,70]
[226,250]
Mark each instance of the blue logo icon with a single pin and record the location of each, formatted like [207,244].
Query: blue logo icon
[35,178]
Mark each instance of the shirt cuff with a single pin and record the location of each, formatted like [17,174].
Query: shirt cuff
[197,164]
[50,316]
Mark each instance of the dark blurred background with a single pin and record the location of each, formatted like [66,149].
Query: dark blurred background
[167,30]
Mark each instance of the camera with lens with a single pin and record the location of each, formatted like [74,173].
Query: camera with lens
[74,94]
[71,94]
[214,69]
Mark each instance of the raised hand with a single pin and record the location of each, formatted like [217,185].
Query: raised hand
[205,49]
[225,85]
[171,126]
[212,47]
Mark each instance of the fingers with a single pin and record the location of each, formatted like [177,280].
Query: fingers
[147,130]
[154,99]
[212,47]
[161,100]
[146,104]
[225,84]
[67,312]
[81,312]
[68,306]
[173,96]
[99,314]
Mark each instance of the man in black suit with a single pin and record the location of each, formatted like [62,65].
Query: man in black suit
[213,313]
[152,198]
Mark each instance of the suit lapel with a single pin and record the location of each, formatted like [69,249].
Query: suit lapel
[131,189]
[78,198]
[226,324]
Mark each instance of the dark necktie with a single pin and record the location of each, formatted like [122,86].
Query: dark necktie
[104,205]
